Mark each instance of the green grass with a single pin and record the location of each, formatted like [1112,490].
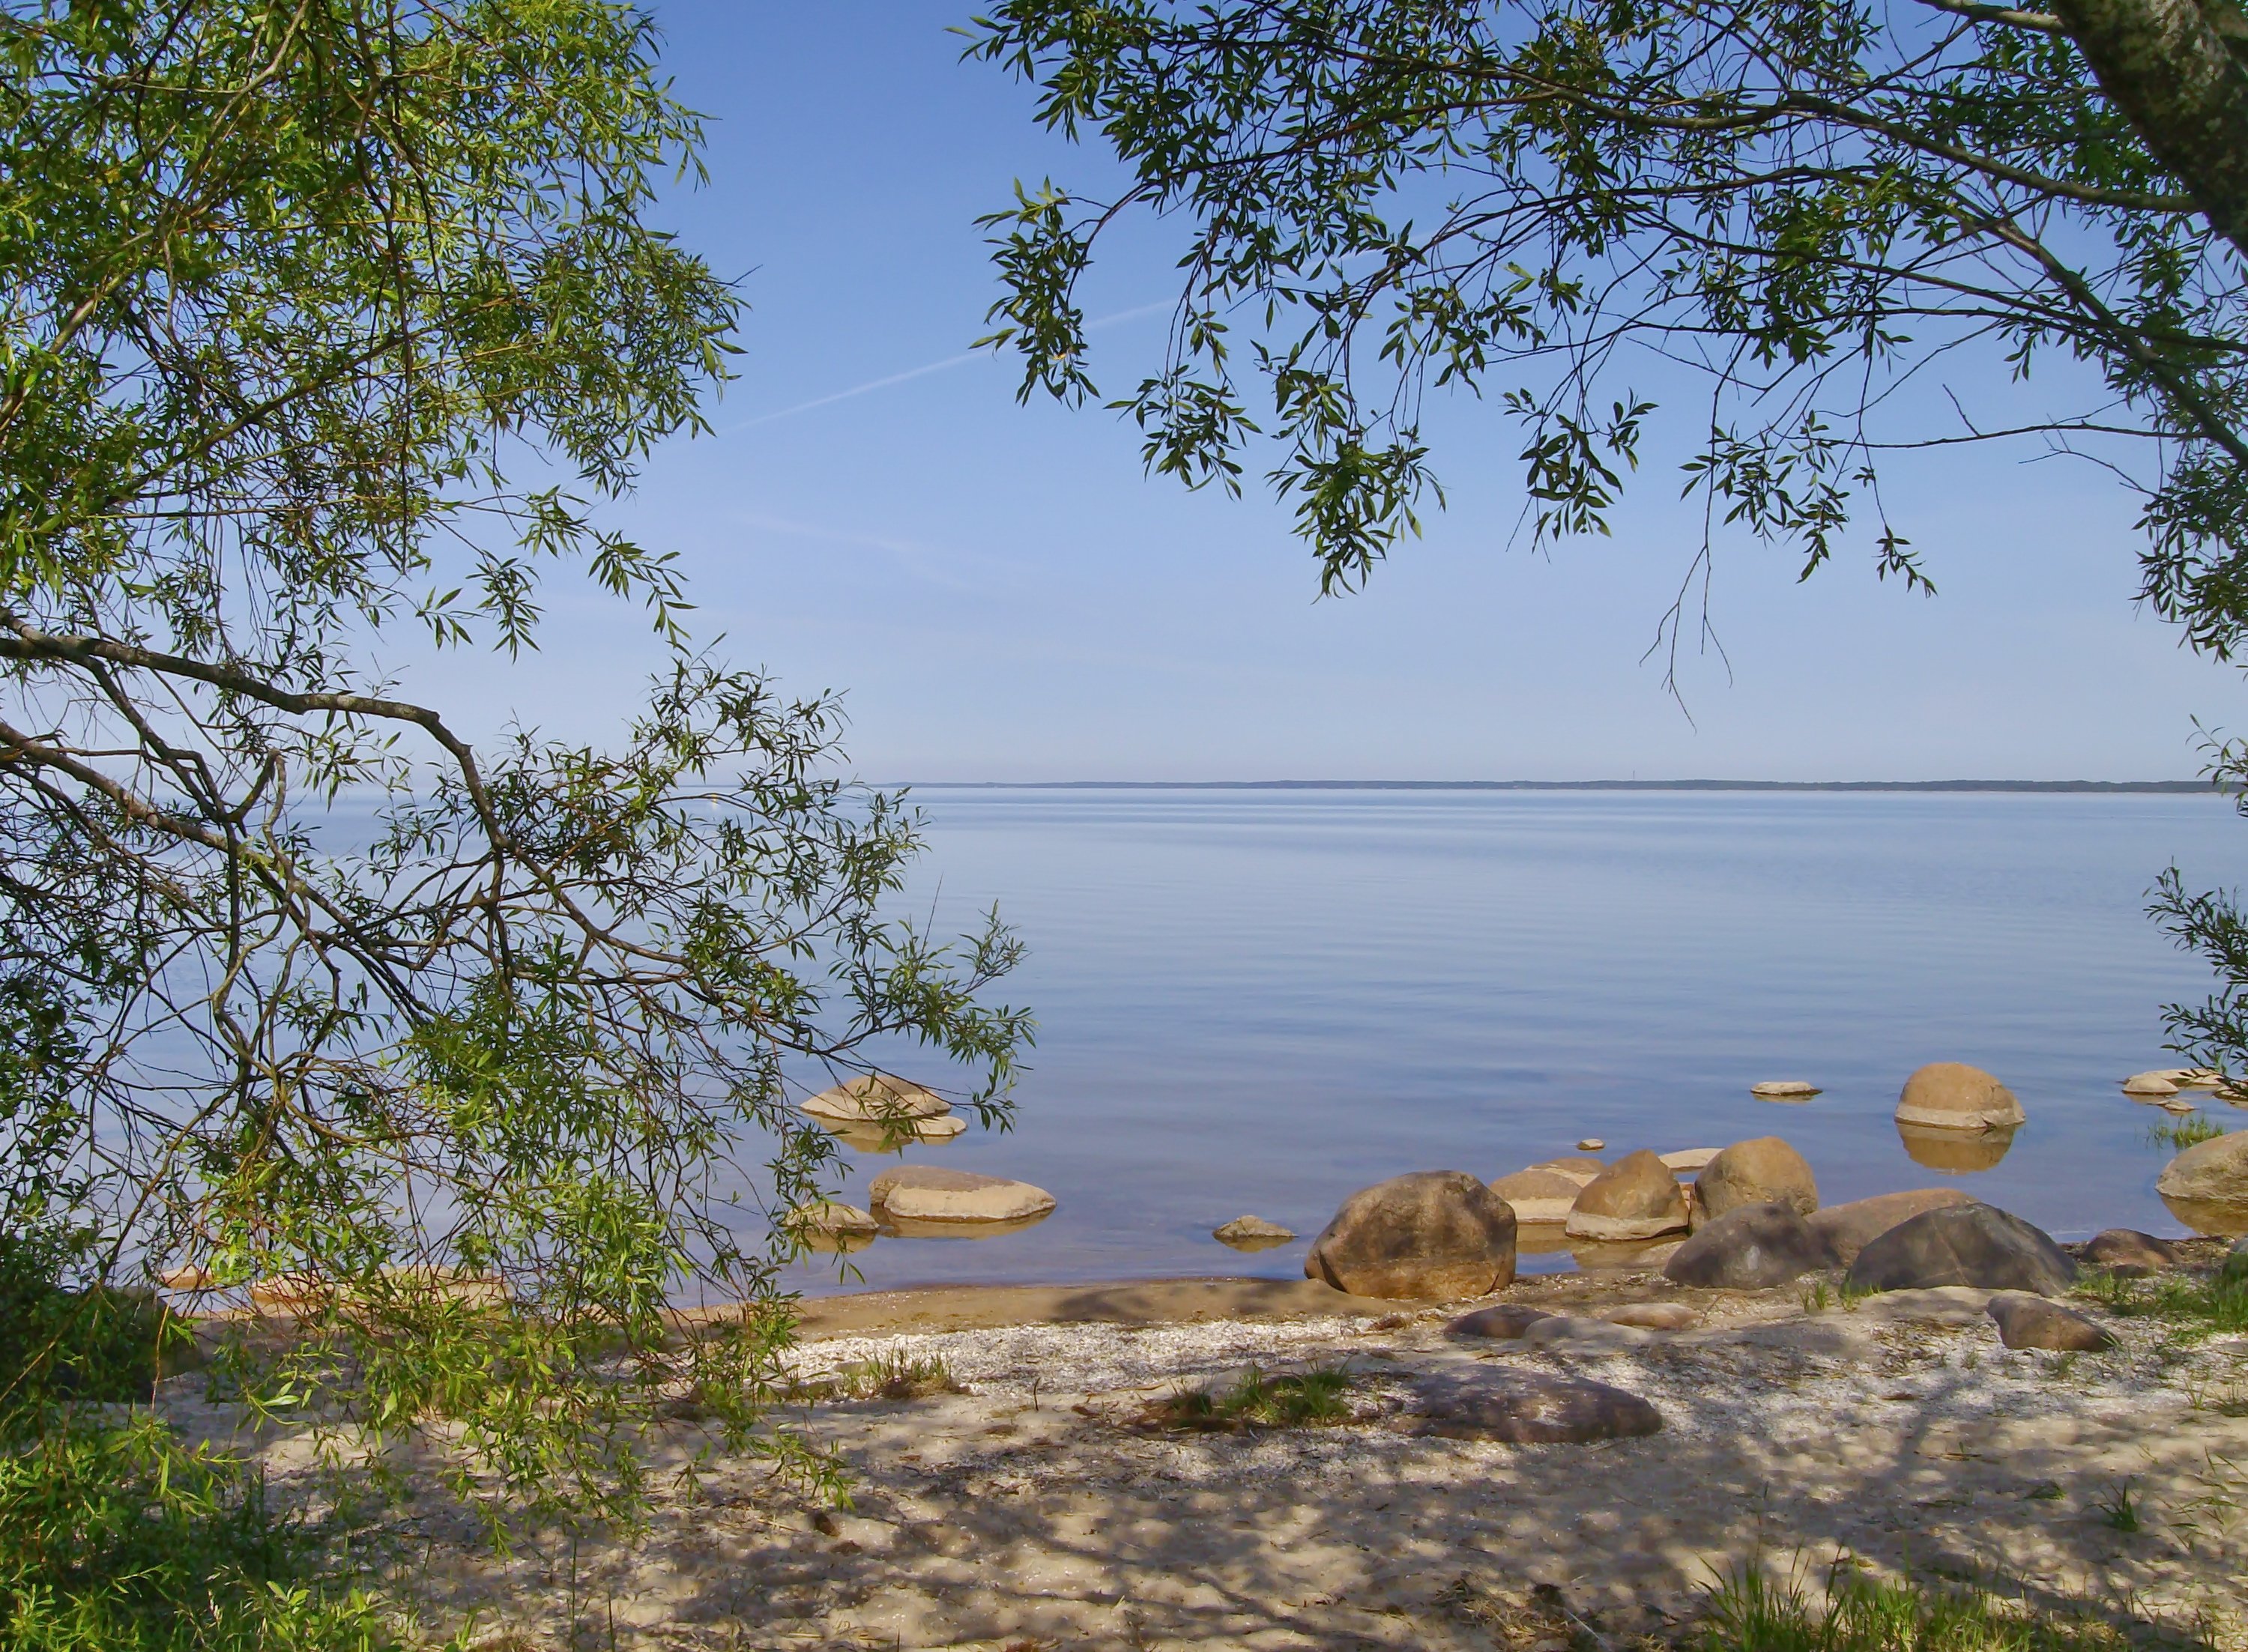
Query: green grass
[1299,1400]
[2120,1508]
[2184,1133]
[2192,1306]
[1752,1613]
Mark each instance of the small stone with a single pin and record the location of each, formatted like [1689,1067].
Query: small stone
[2176,1107]
[1950,1095]
[2153,1084]
[1654,1316]
[830,1217]
[1969,1245]
[1687,1159]
[1524,1407]
[1637,1197]
[924,1193]
[1505,1322]
[1784,1090]
[1252,1233]
[1539,1196]
[1848,1229]
[2129,1248]
[942,1127]
[1754,1248]
[1762,1171]
[1591,1144]
[2028,1321]
[1433,1235]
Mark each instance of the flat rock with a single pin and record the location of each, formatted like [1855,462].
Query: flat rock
[1784,1090]
[1637,1197]
[1957,1305]
[1591,1144]
[875,1098]
[2214,1172]
[1252,1233]
[2029,1321]
[2154,1084]
[925,1193]
[1764,1171]
[1652,1316]
[1970,1244]
[1502,1322]
[1950,1095]
[1689,1159]
[1435,1235]
[1539,1196]
[1582,1167]
[1848,1229]
[2129,1248]
[1527,1408]
[1753,1248]
[1583,1334]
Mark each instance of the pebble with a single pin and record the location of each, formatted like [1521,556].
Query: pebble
[1591,1144]
[1783,1090]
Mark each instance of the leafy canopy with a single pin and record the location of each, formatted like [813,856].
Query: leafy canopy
[323,319]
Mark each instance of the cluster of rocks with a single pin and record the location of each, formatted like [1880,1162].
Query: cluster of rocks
[880,1111]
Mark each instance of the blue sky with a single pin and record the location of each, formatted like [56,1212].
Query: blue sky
[1004,596]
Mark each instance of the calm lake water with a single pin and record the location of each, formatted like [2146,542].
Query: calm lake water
[1259,1001]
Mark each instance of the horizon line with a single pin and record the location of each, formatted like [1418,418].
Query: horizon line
[2160,787]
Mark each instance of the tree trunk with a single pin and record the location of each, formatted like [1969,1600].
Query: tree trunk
[2167,64]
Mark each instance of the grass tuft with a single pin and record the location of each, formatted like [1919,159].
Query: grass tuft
[892,1375]
[2184,1133]
[1299,1400]
[2193,1306]
[1752,1612]
[2120,1508]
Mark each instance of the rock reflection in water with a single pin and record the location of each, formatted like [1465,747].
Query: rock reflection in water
[2206,1217]
[906,1227]
[1955,1152]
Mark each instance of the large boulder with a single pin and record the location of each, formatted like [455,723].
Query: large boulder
[1749,1249]
[1524,1408]
[2029,1321]
[1848,1229]
[2213,1172]
[1972,1244]
[1539,1196]
[1433,1235]
[1950,1095]
[1765,1170]
[924,1193]
[1636,1198]
[877,1098]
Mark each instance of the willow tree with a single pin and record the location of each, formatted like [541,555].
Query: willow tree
[1850,229]
[327,321]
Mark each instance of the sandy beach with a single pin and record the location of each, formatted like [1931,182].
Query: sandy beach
[1038,1507]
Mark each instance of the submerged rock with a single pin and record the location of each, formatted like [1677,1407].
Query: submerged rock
[1950,1095]
[1433,1235]
[1970,1244]
[1765,1170]
[1637,1197]
[925,1193]
[1252,1233]
[1753,1248]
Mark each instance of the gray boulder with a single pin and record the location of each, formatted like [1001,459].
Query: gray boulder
[1524,1407]
[1971,1244]
[2028,1321]
[1751,1248]
[1848,1229]
[1435,1235]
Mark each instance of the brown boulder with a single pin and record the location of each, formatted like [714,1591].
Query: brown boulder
[1950,1095]
[2212,1172]
[2027,1321]
[1765,1170]
[1433,1235]
[2129,1248]
[1848,1229]
[1636,1198]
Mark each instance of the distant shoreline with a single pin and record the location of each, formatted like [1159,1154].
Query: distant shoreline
[1564,785]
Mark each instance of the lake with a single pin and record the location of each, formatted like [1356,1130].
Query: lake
[1257,1001]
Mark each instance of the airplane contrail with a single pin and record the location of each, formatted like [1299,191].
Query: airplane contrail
[884,383]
